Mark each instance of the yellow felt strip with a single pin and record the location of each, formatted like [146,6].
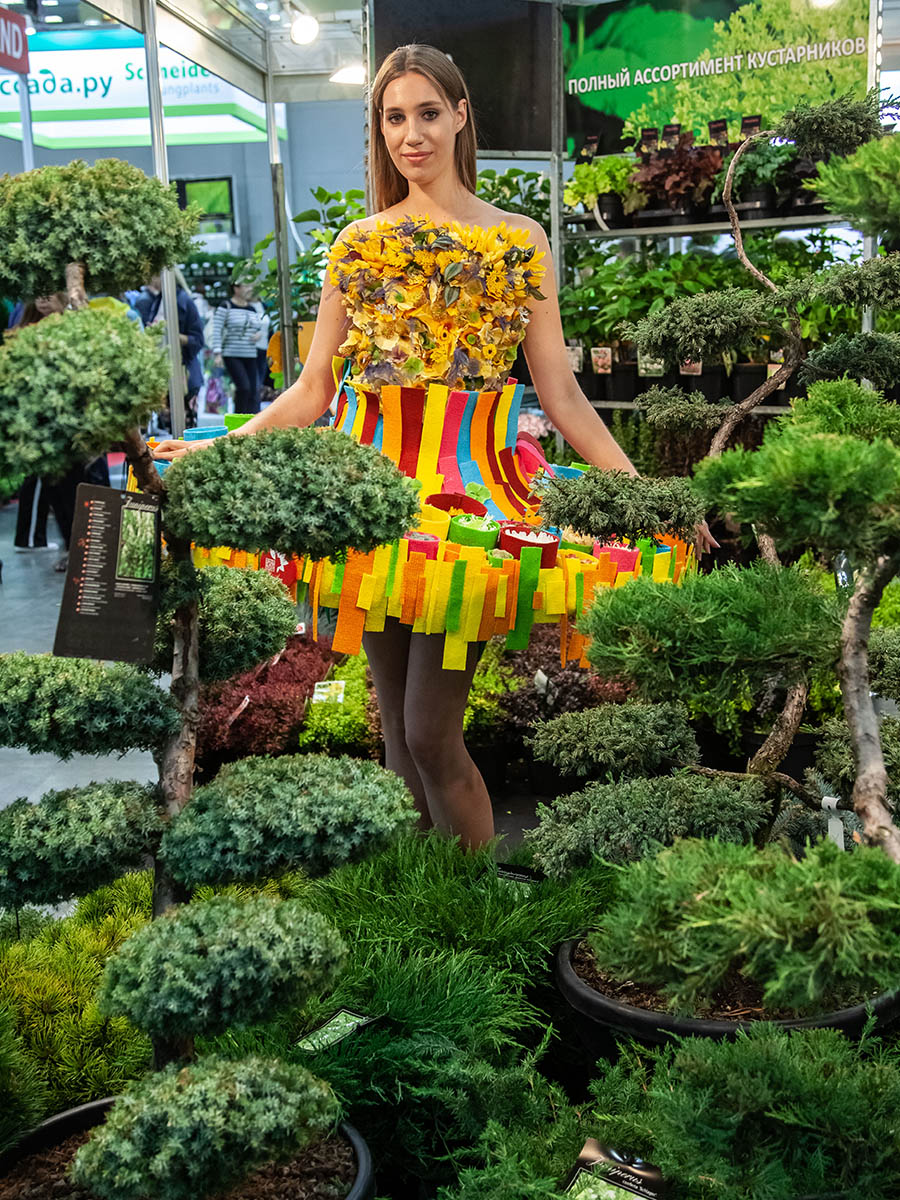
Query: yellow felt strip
[456,652]
[366,592]
[432,430]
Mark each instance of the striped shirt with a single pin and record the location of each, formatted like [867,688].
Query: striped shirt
[237,331]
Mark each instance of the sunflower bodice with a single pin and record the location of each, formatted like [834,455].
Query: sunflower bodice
[428,303]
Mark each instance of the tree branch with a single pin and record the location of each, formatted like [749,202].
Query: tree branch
[737,412]
[732,211]
[775,747]
[870,788]
[767,551]
[148,478]
[774,777]
[75,285]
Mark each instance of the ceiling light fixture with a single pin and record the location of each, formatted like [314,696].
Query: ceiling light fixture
[53,20]
[352,73]
[304,28]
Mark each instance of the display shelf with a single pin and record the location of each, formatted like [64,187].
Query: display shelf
[765,410]
[641,231]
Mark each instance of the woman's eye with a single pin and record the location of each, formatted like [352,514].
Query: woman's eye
[431,114]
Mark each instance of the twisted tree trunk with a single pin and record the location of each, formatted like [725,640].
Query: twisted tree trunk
[75,285]
[870,788]
[771,753]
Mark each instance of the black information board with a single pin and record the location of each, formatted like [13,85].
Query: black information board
[112,583]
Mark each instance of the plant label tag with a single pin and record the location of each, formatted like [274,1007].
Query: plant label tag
[341,1025]
[751,125]
[718,132]
[329,691]
[649,140]
[604,1174]
[575,355]
[835,824]
[691,368]
[111,593]
[671,134]
[601,360]
[527,876]
[650,368]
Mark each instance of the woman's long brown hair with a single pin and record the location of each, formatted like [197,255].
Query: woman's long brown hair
[388,186]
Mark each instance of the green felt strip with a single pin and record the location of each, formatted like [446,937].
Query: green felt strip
[529,575]
[392,570]
[579,594]
[338,578]
[455,599]
[647,548]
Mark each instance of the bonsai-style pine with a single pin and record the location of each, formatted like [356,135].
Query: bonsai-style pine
[707,325]
[200,967]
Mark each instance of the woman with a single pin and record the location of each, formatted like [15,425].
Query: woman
[237,337]
[423,164]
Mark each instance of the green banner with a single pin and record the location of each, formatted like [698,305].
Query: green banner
[632,65]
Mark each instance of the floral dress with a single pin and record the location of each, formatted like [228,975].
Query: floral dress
[437,314]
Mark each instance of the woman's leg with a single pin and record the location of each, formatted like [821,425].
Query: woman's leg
[388,655]
[434,705]
[244,376]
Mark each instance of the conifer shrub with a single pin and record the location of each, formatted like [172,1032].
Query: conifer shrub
[773,1115]
[845,407]
[834,757]
[625,821]
[67,706]
[701,326]
[839,126]
[814,934]
[717,637]
[244,617]
[264,816]
[74,840]
[224,962]
[862,187]
[189,1131]
[120,224]
[95,372]
[23,1095]
[614,504]
[871,356]
[884,662]
[352,496]
[617,741]
[674,411]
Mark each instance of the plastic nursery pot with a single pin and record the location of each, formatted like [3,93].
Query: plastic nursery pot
[422,543]
[746,378]
[471,530]
[599,1019]
[456,502]
[609,209]
[78,1120]
[515,536]
[621,386]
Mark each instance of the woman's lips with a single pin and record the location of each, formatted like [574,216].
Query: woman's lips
[417,158]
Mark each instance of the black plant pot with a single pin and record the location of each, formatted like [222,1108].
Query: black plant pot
[756,204]
[711,382]
[745,379]
[806,204]
[599,1019]
[609,205]
[78,1120]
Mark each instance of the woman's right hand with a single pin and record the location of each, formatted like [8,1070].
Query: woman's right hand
[176,448]
[217,360]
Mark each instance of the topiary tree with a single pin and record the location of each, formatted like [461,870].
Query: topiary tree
[215,962]
[829,476]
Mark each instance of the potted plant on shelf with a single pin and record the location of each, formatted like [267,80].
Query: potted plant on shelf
[606,188]
[758,182]
[106,375]
[680,179]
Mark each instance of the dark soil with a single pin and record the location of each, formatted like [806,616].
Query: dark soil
[739,999]
[324,1171]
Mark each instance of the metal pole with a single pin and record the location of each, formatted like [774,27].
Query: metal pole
[282,247]
[27,132]
[161,170]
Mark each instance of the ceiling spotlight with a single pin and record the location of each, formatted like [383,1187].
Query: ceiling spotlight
[275,16]
[53,20]
[304,29]
[353,73]
[261,5]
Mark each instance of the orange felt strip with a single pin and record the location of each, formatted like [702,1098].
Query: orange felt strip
[392,428]
[351,620]
[415,570]
[486,628]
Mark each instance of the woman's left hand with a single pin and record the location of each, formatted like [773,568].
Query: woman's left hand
[704,542]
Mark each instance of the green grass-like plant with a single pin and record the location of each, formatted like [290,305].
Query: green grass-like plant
[119,224]
[189,1131]
[352,496]
[74,840]
[264,816]
[245,616]
[67,706]
[813,934]
[617,740]
[220,963]
[625,821]
[715,638]
[95,373]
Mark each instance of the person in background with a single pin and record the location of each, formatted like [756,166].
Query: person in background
[237,338]
[190,333]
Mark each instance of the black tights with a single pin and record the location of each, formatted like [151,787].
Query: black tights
[245,376]
[422,709]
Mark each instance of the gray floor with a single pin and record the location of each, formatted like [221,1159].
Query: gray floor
[29,603]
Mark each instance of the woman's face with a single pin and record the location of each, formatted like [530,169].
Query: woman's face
[420,127]
[48,304]
[243,292]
